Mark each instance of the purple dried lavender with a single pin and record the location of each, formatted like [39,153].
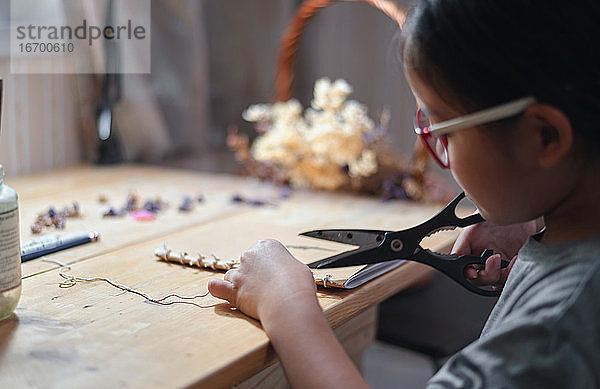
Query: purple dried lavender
[153,206]
[46,221]
[131,204]
[256,202]
[75,209]
[392,188]
[60,223]
[378,132]
[187,204]
[110,212]
[285,192]
[237,198]
[53,218]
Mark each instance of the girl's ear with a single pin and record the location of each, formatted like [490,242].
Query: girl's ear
[553,131]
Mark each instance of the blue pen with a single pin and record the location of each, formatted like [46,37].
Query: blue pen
[53,243]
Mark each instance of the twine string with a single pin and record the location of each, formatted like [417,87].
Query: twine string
[72,280]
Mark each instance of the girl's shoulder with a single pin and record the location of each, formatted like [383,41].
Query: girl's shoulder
[543,332]
[550,282]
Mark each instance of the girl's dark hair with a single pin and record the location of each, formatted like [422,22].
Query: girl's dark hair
[488,52]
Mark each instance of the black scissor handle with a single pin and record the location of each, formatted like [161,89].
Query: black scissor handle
[453,266]
[444,219]
[450,212]
[448,217]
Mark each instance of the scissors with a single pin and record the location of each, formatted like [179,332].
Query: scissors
[378,246]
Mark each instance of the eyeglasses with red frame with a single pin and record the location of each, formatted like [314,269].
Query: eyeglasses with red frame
[434,135]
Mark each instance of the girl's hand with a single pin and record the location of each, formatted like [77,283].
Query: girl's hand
[504,240]
[268,279]
[274,287]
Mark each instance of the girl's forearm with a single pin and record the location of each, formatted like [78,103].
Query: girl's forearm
[310,353]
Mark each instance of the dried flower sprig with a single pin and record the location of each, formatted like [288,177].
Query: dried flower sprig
[55,218]
[215,263]
[198,260]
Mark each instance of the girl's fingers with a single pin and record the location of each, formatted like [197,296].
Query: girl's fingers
[507,269]
[493,274]
[230,275]
[472,271]
[462,245]
[490,274]
[222,289]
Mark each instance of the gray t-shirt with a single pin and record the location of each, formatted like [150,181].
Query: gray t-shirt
[544,331]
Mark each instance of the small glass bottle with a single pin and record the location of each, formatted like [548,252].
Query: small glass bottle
[10,250]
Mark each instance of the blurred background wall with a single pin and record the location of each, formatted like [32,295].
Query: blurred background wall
[40,127]
[210,60]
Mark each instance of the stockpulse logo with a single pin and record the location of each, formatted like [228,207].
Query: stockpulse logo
[89,33]
[80,36]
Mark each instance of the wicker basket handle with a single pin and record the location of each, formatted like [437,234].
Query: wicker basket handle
[289,47]
[291,38]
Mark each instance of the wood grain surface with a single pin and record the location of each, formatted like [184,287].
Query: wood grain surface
[94,335]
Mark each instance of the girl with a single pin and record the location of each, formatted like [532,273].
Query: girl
[509,99]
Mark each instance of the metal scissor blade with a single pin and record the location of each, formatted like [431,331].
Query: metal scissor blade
[349,236]
[360,256]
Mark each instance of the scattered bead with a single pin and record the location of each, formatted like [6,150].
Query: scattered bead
[142,215]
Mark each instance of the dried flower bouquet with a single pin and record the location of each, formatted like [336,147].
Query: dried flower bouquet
[332,145]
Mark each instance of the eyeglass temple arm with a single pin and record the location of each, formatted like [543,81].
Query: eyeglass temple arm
[487,115]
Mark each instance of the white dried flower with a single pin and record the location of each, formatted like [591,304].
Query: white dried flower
[258,113]
[280,145]
[287,112]
[321,89]
[313,150]
[336,146]
[338,93]
[308,174]
[330,96]
[364,166]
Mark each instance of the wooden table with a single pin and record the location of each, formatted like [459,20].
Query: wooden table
[93,335]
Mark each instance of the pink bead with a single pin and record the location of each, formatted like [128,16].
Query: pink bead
[142,215]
